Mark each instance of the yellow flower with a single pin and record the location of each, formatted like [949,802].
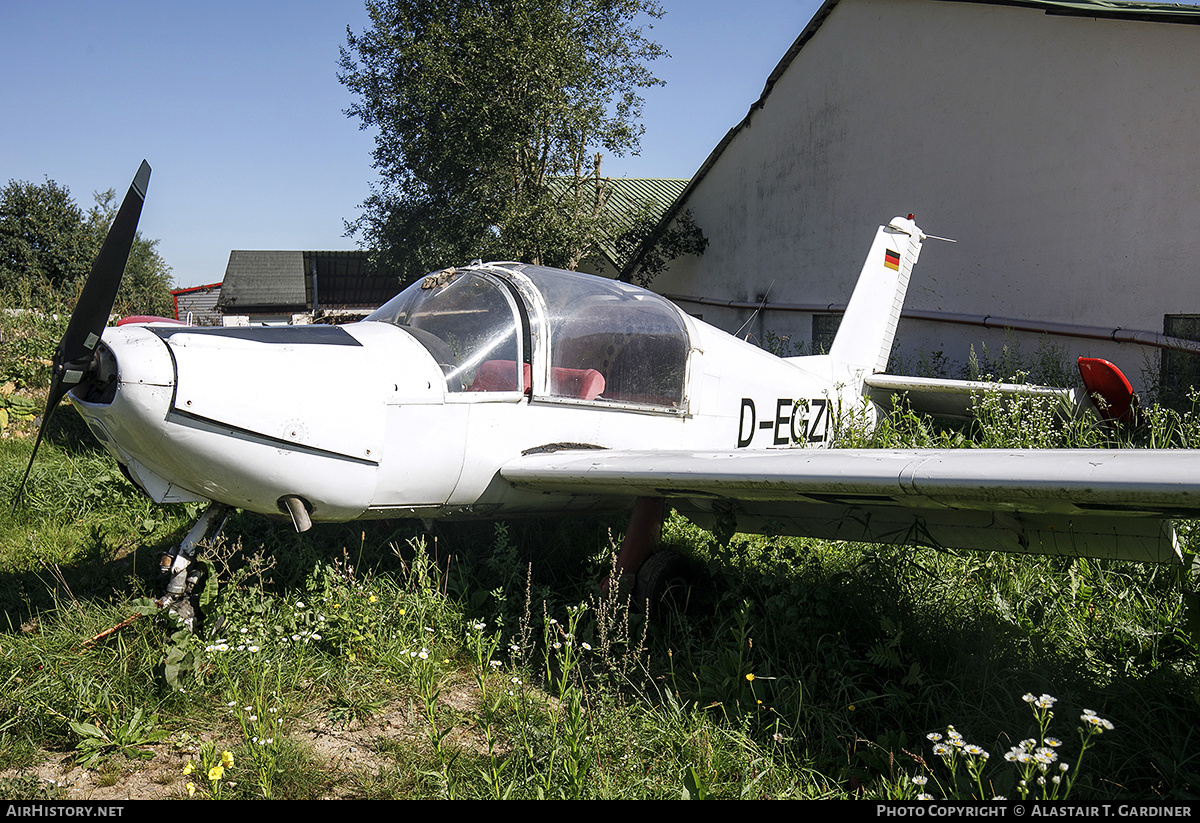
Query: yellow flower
[402,612]
[852,707]
[189,768]
[216,772]
[372,599]
[750,677]
[191,788]
[227,759]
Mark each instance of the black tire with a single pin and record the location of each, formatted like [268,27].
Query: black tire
[666,583]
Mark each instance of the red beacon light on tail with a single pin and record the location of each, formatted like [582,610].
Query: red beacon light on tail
[1110,391]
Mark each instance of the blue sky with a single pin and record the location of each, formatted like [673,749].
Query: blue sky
[238,109]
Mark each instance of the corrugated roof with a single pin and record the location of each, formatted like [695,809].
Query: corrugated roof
[194,289]
[282,281]
[1115,9]
[628,195]
[346,281]
[263,279]
[628,198]
[1123,9]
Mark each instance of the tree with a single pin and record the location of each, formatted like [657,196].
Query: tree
[47,245]
[146,284]
[652,243]
[490,116]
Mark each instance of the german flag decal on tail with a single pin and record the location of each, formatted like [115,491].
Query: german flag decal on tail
[891,259]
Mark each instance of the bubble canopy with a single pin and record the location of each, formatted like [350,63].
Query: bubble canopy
[487,327]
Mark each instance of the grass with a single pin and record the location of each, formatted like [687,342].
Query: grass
[482,661]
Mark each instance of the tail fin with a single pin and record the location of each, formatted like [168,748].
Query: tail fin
[864,338]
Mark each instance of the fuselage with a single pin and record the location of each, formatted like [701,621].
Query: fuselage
[412,412]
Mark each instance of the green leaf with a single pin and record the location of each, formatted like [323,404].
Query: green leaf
[87,730]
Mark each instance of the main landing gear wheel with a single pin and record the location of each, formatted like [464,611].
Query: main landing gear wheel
[666,583]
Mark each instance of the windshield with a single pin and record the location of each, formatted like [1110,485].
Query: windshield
[468,322]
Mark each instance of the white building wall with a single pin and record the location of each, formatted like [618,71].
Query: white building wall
[1058,151]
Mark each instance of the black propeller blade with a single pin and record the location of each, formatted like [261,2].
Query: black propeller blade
[73,357]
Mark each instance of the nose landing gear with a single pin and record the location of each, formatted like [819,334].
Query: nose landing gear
[178,577]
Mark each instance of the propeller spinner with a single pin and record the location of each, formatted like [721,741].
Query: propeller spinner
[74,358]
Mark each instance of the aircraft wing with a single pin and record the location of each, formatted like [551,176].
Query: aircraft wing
[1114,504]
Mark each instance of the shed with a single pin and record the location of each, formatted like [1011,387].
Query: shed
[302,286]
[198,304]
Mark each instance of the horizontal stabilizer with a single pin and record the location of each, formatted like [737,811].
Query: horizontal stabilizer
[957,399]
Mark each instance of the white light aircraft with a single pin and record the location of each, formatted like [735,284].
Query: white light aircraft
[505,389]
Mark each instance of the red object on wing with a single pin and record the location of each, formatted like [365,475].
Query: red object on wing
[1109,390]
[146,318]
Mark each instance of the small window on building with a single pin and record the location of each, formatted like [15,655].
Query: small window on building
[1179,370]
[824,329]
